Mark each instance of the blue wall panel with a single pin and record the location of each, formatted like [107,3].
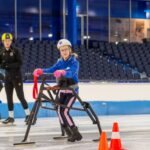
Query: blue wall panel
[100,107]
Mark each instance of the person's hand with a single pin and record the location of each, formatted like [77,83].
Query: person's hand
[38,72]
[59,73]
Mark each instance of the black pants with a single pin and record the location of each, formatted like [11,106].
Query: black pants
[1,85]
[1,79]
[67,99]
[11,83]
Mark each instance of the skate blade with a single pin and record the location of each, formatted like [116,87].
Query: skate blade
[60,137]
[97,140]
[7,125]
[24,143]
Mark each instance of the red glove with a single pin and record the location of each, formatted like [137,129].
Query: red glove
[38,72]
[59,73]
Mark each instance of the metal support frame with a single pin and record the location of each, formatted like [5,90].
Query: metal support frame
[130,13]
[40,19]
[81,16]
[82,30]
[87,24]
[109,25]
[64,18]
[55,102]
[16,31]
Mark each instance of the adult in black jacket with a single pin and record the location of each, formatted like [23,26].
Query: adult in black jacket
[10,60]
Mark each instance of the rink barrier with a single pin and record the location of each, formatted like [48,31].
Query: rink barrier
[100,107]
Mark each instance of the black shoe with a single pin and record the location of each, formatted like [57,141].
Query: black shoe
[67,131]
[76,136]
[9,120]
[27,118]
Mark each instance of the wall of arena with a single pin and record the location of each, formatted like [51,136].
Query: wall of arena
[106,99]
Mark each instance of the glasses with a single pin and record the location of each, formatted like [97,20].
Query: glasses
[64,50]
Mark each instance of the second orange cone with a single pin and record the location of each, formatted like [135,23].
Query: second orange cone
[115,143]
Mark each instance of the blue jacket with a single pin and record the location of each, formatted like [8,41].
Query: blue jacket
[71,66]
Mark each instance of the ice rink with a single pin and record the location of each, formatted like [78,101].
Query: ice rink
[134,131]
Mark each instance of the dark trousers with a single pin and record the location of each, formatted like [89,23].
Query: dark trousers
[67,99]
[11,83]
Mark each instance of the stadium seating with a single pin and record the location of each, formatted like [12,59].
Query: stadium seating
[102,61]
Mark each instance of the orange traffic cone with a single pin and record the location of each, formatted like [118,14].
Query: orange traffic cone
[103,144]
[115,143]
